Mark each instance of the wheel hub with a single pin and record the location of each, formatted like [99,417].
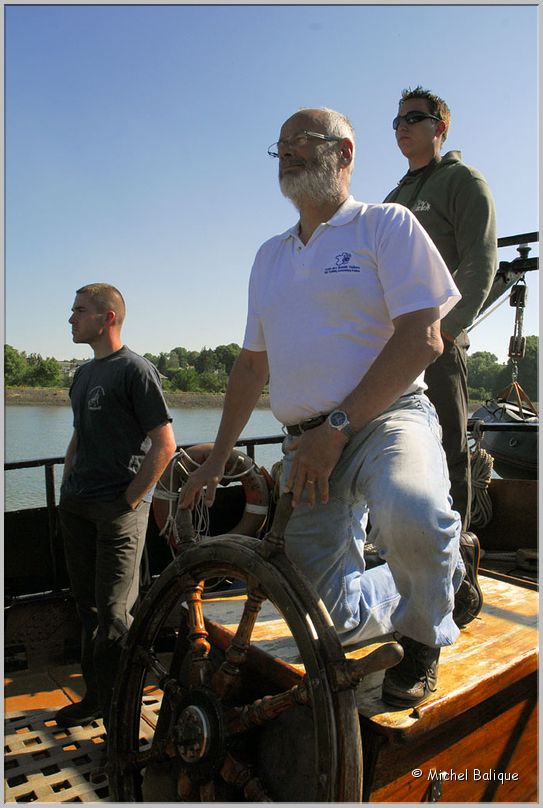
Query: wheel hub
[192,734]
[198,732]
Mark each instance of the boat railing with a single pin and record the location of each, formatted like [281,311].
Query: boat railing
[509,273]
[521,238]
[248,445]
[48,463]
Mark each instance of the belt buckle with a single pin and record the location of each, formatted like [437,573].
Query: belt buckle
[293,430]
[304,426]
[311,423]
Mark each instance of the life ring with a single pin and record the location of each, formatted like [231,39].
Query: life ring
[256,483]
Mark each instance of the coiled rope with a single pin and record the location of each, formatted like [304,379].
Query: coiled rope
[201,513]
[481,474]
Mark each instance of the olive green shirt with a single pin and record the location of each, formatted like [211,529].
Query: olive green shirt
[454,204]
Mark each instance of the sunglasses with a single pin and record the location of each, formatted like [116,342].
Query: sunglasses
[411,118]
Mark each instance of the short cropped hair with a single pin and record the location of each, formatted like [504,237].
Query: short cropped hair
[436,105]
[105,297]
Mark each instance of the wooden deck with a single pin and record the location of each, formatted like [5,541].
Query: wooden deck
[479,728]
[482,716]
[498,648]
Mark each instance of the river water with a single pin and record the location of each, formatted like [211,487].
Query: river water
[37,432]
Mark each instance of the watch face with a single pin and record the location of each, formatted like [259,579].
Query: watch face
[338,418]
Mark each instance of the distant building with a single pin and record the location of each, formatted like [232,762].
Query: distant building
[69,366]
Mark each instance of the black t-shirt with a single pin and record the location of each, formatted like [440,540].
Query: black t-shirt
[116,402]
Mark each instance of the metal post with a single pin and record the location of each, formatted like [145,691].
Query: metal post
[51,516]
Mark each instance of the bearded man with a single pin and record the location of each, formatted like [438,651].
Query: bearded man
[344,312]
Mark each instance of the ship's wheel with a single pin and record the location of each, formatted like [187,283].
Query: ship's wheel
[204,720]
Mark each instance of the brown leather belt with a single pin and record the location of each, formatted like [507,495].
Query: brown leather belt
[304,426]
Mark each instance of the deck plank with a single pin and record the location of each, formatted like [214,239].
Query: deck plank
[48,687]
[492,652]
[498,648]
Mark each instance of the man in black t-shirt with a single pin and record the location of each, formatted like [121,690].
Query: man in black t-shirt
[122,442]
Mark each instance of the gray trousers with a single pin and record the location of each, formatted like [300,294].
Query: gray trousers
[103,543]
[447,380]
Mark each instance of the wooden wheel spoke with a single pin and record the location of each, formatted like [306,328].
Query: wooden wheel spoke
[184,786]
[152,663]
[348,673]
[241,775]
[172,688]
[208,792]
[197,636]
[240,719]
[138,760]
[227,678]
[182,645]
[173,694]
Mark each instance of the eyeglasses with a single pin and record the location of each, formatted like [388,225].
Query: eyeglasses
[411,118]
[297,141]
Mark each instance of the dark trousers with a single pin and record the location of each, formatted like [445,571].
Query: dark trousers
[447,380]
[103,543]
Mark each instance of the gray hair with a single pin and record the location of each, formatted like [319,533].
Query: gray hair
[336,124]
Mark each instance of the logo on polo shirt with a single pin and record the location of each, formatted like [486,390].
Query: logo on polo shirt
[342,259]
[343,264]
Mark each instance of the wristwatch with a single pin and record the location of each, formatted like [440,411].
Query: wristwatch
[338,419]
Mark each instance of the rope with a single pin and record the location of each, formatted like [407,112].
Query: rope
[487,314]
[201,517]
[481,474]
[163,492]
[201,520]
[227,476]
[201,511]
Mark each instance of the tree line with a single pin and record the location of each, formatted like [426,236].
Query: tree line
[208,370]
[195,371]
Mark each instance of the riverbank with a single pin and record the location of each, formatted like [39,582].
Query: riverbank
[58,396]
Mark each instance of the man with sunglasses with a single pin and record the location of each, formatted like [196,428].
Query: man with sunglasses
[344,312]
[454,205]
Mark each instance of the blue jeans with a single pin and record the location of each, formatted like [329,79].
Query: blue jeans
[103,544]
[396,467]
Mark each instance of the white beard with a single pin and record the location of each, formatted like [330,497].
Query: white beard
[318,184]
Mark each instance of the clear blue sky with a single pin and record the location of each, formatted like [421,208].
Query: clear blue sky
[136,144]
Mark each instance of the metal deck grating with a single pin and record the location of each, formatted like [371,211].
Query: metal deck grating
[47,763]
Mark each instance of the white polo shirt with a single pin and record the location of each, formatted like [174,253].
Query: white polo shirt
[323,311]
